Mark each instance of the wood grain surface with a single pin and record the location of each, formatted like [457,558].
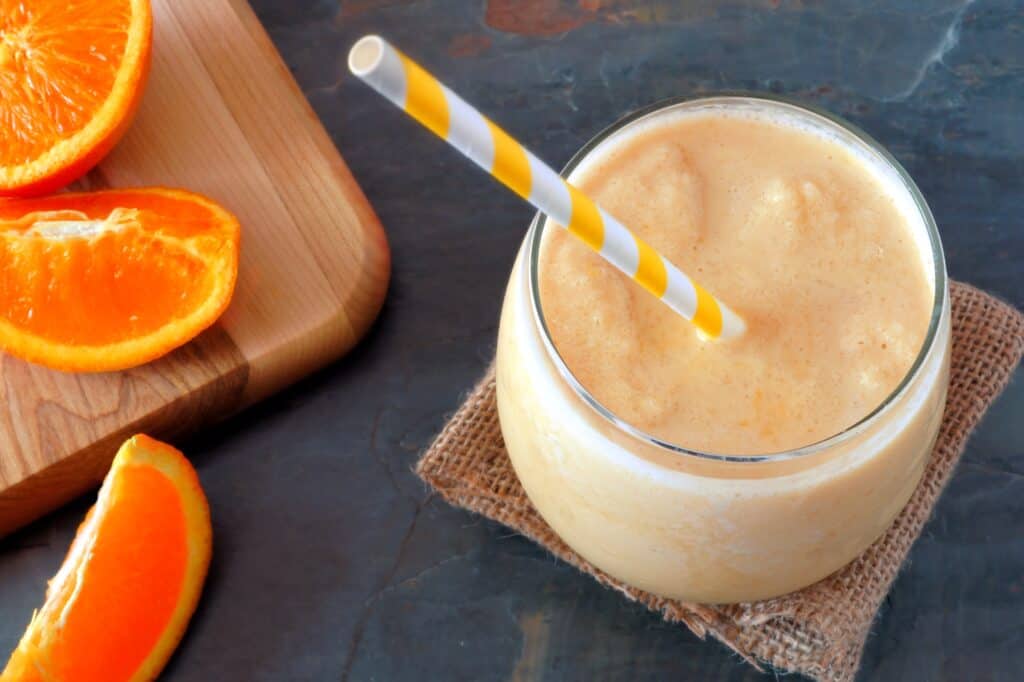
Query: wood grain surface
[221,116]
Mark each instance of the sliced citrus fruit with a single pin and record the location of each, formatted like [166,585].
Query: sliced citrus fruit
[71,78]
[119,604]
[109,280]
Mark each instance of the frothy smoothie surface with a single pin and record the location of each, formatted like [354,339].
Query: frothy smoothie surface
[793,231]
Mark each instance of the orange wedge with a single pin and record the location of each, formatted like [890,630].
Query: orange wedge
[71,78]
[119,604]
[110,280]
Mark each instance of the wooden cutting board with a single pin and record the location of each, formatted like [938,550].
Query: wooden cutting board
[221,116]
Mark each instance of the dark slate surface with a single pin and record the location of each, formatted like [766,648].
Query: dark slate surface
[331,560]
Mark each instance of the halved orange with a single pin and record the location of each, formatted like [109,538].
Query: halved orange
[121,601]
[71,78]
[110,280]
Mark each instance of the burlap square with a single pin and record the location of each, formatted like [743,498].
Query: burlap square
[819,631]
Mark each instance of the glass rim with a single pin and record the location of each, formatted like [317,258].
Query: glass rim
[536,232]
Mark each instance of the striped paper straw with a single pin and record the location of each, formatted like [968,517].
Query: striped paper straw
[426,99]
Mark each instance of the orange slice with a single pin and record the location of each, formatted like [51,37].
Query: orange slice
[109,280]
[71,78]
[119,604]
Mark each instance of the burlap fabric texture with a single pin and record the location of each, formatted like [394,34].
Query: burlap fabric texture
[819,631]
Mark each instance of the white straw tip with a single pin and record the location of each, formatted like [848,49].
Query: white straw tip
[366,55]
[732,324]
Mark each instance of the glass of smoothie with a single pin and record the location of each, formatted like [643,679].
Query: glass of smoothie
[727,471]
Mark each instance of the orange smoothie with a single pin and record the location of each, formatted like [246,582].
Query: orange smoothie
[730,470]
[787,227]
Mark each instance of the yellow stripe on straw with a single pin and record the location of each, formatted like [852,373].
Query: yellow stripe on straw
[585,221]
[708,317]
[408,86]
[651,272]
[425,99]
[511,165]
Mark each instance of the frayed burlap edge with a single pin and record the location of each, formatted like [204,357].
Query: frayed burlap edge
[819,631]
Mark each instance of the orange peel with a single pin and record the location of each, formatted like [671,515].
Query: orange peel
[109,280]
[72,76]
[120,603]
